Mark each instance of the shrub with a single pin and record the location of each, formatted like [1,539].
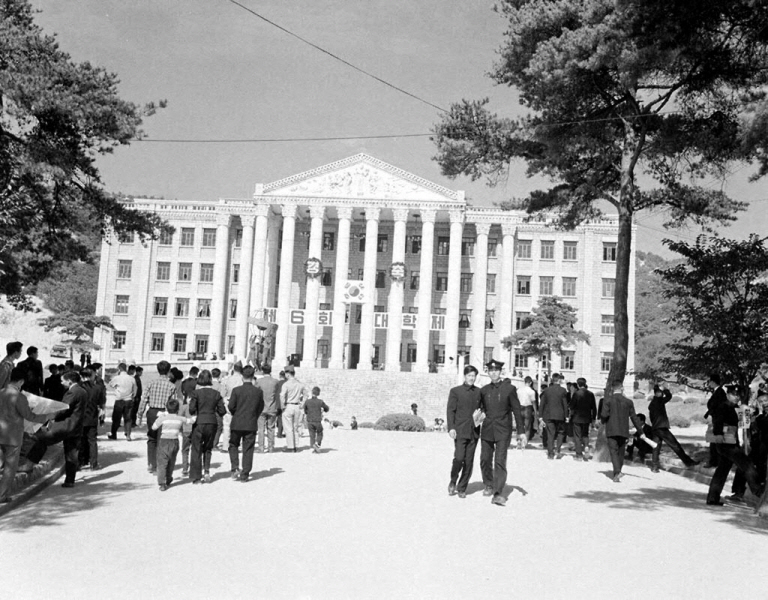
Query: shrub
[400,422]
[676,398]
[690,400]
[366,425]
[679,421]
[639,395]
[335,424]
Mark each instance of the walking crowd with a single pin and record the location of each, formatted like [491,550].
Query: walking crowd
[193,415]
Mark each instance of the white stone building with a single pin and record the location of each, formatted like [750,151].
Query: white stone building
[472,273]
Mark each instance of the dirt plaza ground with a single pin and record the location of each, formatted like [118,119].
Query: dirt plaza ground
[370,517]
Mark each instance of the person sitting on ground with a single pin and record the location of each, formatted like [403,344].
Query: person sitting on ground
[637,443]
[170,424]
[314,409]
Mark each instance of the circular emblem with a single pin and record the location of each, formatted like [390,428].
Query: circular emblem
[397,271]
[354,291]
[313,268]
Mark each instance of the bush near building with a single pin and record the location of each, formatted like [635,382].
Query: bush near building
[400,422]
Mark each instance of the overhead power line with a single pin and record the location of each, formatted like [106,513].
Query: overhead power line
[334,56]
[269,140]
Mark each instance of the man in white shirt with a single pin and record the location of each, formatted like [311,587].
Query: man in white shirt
[125,389]
[529,406]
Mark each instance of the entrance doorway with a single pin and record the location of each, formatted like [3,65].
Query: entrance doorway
[354,355]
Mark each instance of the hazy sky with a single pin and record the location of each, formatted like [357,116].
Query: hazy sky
[229,75]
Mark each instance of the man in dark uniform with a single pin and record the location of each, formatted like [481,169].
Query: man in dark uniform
[616,413]
[583,410]
[463,401]
[553,408]
[498,400]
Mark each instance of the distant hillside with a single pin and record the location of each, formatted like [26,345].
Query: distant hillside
[16,325]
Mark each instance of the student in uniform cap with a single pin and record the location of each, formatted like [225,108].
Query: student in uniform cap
[498,400]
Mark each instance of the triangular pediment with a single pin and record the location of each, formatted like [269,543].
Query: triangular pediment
[360,176]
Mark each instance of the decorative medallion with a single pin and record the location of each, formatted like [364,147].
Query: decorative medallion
[313,268]
[397,272]
[354,292]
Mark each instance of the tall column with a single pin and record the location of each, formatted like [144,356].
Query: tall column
[284,290]
[454,287]
[426,267]
[259,270]
[479,296]
[507,288]
[309,351]
[220,270]
[339,307]
[269,297]
[369,279]
[396,294]
[244,287]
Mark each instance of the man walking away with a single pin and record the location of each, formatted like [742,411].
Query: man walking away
[124,386]
[553,409]
[156,396]
[616,413]
[246,404]
[269,386]
[292,396]
[138,372]
[314,409]
[583,411]
[33,372]
[463,401]
[94,405]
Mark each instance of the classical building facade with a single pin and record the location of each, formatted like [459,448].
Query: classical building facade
[362,266]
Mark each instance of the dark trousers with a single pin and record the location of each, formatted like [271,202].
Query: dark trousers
[219,430]
[463,462]
[580,434]
[122,410]
[665,435]
[152,438]
[186,446]
[315,433]
[529,422]
[89,448]
[757,457]
[249,441]
[166,459]
[714,457]
[729,455]
[71,457]
[203,435]
[280,432]
[493,464]
[555,436]
[135,411]
[616,446]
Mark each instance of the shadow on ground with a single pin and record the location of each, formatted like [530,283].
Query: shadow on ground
[661,498]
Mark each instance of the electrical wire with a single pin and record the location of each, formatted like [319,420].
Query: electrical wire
[271,140]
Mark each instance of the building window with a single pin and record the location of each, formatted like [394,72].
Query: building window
[125,237]
[609,288]
[179,342]
[163,271]
[124,268]
[493,244]
[413,244]
[209,238]
[382,243]
[166,238]
[233,308]
[569,287]
[327,279]
[376,354]
[201,344]
[121,305]
[118,340]
[490,284]
[524,248]
[206,273]
[161,306]
[187,236]
[379,308]
[569,250]
[204,308]
[235,273]
[358,313]
[182,307]
[441,282]
[438,354]
[609,251]
[329,241]
[239,238]
[568,360]
[490,319]
[185,271]
[414,280]
[547,250]
[521,361]
[381,279]
[414,310]
[523,285]
[606,361]
[438,311]
[325,306]
[361,274]
[323,349]
[467,247]
[487,354]
[361,243]
[522,320]
[466,283]
[546,286]
[158,342]
[230,344]
[465,320]
[607,325]
[443,246]
[410,353]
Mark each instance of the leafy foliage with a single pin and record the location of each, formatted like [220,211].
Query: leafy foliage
[615,90]
[551,328]
[721,308]
[400,422]
[56,118]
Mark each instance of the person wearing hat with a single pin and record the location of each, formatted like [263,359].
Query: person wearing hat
[498,400]
[463,401]
[293,393]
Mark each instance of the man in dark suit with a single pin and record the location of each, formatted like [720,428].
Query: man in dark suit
[718,398]
[463,401]
[498,400]
[616,412]
[553,408]
[94,405]
[583,411]
[246,404]
[33,369]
